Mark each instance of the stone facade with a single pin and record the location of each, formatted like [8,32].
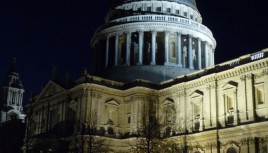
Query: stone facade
[219,108]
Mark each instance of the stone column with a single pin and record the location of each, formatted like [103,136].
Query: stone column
[179,49]
[190,54]
[199,59]
[128,40]
[206,54]
[213,58]
[107,52]
[153,47]
[166,47]
[140,47]
[116,50]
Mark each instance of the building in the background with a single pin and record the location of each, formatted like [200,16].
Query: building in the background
[12,117]
[11,96]
[155,64]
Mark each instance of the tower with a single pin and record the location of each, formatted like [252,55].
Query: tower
[164,39]
[11,96]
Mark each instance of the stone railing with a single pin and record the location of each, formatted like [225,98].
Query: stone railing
[162,18]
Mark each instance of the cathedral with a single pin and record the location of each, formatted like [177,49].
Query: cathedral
[155,89]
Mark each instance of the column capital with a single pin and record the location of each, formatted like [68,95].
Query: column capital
[167,32]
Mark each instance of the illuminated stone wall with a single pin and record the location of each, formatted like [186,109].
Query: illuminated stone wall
[220,108]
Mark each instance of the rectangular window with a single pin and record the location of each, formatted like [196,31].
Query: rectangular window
[149,8]
[129,119]
[168,10]
[177,11]
[191,16]
[158,9]
[185,14]
[259,96]
[229,102]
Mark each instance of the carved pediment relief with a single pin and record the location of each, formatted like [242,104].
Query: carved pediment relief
[51,89]
[73,105]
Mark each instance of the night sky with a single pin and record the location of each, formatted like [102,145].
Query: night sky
[46,33]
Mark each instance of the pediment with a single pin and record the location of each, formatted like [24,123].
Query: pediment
[168,101]
[112,102]
[230,85]
[196,93]
[50,90]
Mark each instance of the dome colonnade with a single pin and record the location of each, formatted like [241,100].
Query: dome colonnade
[166,33]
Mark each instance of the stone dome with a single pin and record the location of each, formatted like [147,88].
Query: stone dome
[154,40]
[190,3]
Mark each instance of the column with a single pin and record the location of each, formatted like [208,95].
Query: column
[107,52]
[206,54]
[153,47]
[213,58]
[179,49]
[128,40]
[116,50]
[140,47]
[190,54]
[166,47]
[199,55]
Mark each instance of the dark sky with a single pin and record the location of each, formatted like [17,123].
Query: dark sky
[46,33]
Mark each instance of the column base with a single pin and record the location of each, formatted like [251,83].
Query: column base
[166,63]
[139,63]
[152,63]
[179,65]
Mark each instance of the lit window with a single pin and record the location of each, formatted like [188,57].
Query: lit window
[259,96]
